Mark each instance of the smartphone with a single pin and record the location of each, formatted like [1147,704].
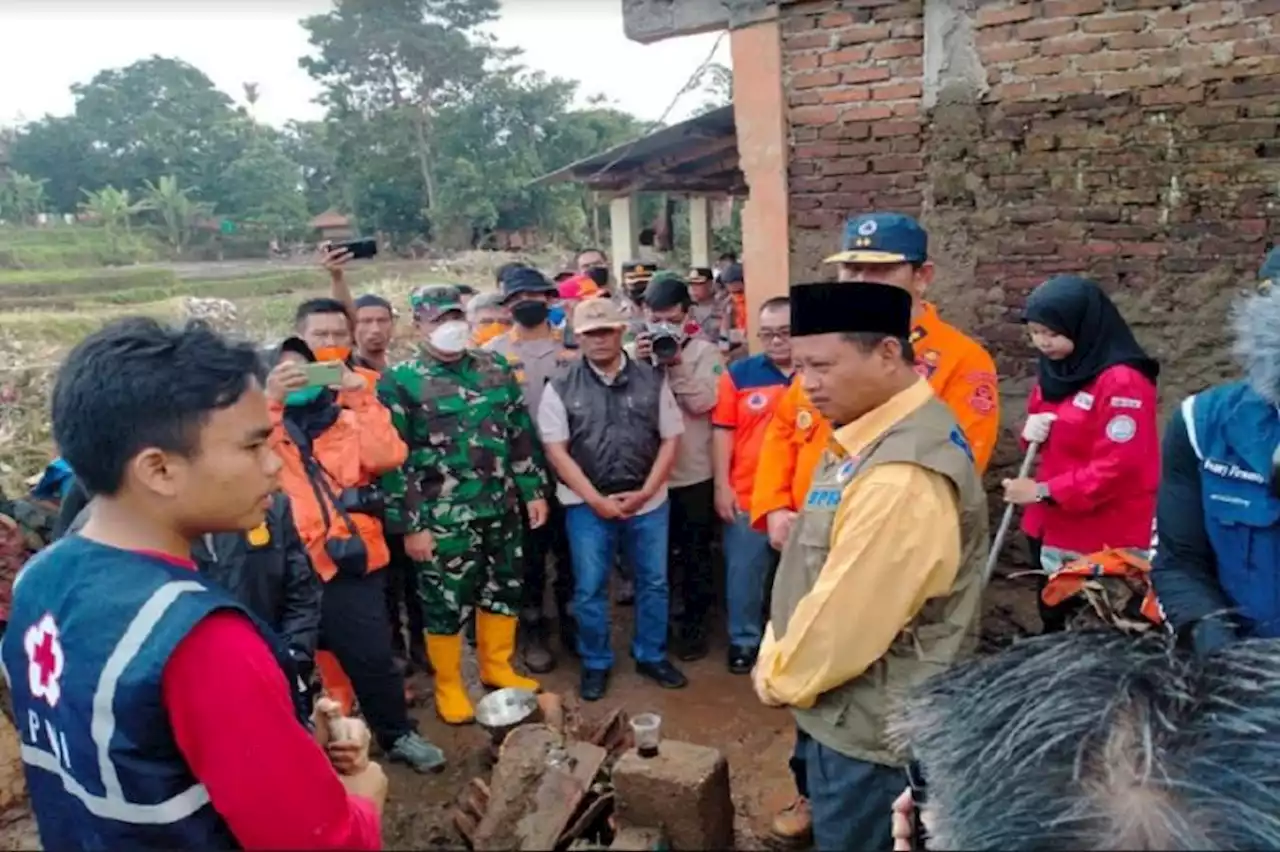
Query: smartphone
[919,795]
[324,374]
[361,249]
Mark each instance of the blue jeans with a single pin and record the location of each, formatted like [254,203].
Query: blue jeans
[851,800]
[593,544]
[746,561]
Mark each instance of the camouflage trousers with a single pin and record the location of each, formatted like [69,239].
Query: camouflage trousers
[477,564]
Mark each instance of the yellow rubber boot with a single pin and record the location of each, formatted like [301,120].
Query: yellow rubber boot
[452,703]
[495,643]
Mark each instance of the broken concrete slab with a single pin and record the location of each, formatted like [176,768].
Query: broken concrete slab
[684,789]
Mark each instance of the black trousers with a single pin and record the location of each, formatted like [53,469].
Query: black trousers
[690,574]
[1052,618]
[402,588]
[550,542]
[355,629]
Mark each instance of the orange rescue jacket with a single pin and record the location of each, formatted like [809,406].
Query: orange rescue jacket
[354,451]
[956,366]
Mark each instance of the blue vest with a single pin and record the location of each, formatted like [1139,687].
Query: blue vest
[90,631]
[1234,433]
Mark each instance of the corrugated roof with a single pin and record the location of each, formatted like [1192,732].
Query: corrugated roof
[331,218]
[697,155]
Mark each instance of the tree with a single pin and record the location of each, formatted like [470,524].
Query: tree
[177,209]
[264,189]
[58,150]
[114,210]
[22,198]
[412,57]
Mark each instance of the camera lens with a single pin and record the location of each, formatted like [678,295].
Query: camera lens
[665,347]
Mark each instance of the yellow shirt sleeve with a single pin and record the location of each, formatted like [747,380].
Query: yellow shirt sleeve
[895,543]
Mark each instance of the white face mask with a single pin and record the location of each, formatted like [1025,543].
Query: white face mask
[451,337]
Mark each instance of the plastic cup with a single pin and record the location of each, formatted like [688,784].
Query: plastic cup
[647,728]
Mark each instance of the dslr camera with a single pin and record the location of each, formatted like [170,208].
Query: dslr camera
[665,342]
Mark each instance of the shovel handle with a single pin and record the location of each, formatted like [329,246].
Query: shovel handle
[998,542]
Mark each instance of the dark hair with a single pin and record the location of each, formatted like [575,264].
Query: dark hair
[137,384]
[316,307]
[731,256]
[372,300]
[504,269]
[775,303]
[468,290]
[867,341]
[647,237]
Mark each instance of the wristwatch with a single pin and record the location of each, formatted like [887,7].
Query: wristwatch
[1042,492]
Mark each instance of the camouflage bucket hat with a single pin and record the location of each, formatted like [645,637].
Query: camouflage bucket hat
[434,300]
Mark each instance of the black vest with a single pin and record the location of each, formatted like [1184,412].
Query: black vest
[613,428]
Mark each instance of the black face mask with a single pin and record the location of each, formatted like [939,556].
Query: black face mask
[600,275]
[530,313]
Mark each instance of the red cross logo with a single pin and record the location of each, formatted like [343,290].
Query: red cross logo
[44,653]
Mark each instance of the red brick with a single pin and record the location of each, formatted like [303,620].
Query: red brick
[894,128]
[991,15]
[898,163]
[809,152]
[1122,81]
[1166,95]
[835,20]
[1258,8]
[869,74]
[904,109]
[1207,13]
[1131,22]
[1142,41]
[846,94]
[898,49]
[994,35]
[1034,30]
[1071,8]
[896,92]
[802,62]
[866,112]
[862,33]
[1109,60]
[808,41]
[846,56]
[1222,34]
[1070,45]
[1040,67]
[813,115]
[815,80]
[1064,85]
[1171,20]
[1012,91]
[1001,53]
[845,166]
[1258,47]
[796,99]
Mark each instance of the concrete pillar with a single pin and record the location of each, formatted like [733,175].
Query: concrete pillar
[760,114]
[700,230]
[624,245]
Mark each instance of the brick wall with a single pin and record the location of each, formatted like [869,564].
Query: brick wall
[1135,141]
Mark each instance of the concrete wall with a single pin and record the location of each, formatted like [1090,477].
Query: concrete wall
[1135,141]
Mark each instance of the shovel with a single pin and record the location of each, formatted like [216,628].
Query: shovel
[998,542]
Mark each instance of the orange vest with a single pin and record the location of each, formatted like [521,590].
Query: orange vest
[958,369]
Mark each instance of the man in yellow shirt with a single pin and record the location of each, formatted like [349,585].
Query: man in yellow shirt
[880,582]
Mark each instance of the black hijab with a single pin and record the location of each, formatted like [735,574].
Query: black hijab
[1077,308]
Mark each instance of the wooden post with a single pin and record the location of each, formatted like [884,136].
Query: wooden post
[623,213]
[700,235]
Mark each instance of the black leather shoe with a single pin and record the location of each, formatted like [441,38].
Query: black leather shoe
[663,674]
[593,684]
[741,660]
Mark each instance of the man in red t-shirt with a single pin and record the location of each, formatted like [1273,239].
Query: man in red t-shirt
[196,743]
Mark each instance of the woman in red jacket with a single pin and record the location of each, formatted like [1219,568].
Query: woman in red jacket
[1093,411]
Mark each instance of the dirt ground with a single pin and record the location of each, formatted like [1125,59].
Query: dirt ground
[716,709]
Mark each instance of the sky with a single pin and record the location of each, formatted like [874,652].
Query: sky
[51,44]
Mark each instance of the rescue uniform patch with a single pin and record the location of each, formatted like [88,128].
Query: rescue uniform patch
[1121,429]
[1125,402]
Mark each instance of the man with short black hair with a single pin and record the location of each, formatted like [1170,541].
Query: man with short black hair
[120,654]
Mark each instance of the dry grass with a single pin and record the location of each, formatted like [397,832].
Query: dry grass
[33,339]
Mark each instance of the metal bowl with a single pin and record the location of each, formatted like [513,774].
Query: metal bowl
[502,711]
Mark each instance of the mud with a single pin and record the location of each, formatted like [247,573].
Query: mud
[716,709]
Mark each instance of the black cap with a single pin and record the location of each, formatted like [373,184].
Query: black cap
[836,307]
[297,346]
[732,274]
[666,290]
[525,279]
[636,272]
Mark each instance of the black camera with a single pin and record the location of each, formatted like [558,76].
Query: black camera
[664,342]
[365,500]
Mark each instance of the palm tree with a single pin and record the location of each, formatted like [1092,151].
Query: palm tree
[112,208]
[22,197]
[178,210]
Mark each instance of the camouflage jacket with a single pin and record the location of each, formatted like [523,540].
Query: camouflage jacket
[473,450]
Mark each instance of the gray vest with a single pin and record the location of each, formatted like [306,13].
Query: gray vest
[851,718]
[613,428]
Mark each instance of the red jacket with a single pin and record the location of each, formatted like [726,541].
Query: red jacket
[1101,463]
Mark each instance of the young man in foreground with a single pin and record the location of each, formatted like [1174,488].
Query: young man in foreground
[137,730]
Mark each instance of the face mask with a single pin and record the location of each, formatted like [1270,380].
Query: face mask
[486,332]
[302,397]
[450,338]
[637,293]
[333,353]
[530,313]
[556,316]
[600,275]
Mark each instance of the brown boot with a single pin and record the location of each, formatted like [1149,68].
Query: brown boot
[792,827]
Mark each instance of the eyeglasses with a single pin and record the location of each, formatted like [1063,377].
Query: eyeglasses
[768,336]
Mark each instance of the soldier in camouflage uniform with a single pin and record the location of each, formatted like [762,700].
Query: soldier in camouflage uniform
[473,460]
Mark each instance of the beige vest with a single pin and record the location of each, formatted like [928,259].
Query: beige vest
[851,718]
